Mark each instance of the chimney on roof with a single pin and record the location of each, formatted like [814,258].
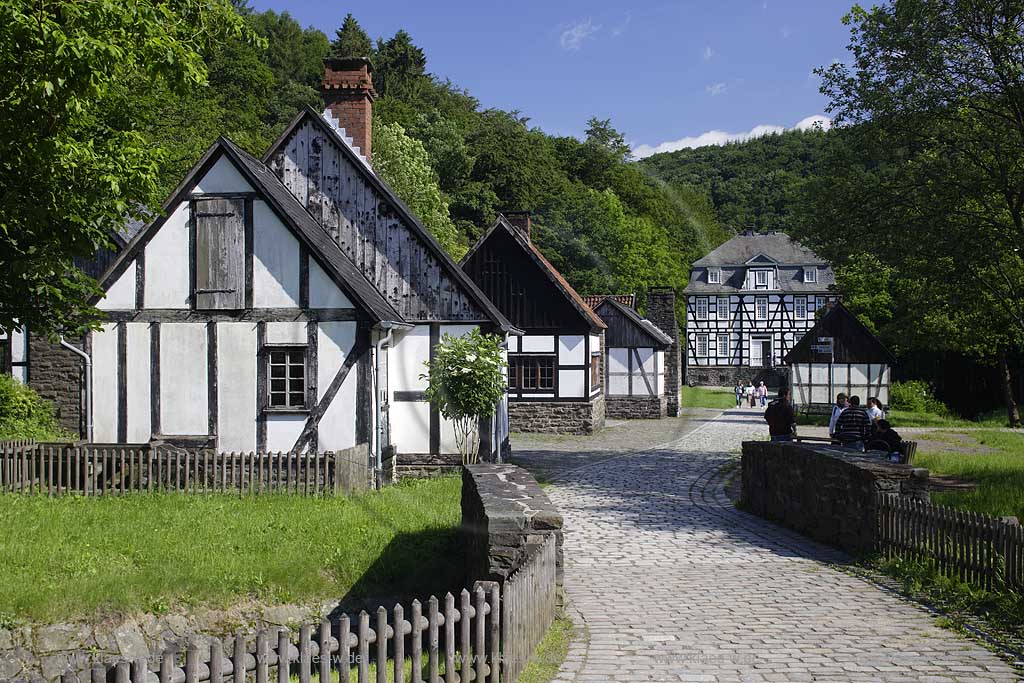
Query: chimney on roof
[749,231]
[520,220]
[348,92]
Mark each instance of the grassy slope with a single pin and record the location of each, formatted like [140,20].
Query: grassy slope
[705,397]
[999,475]
[83,556]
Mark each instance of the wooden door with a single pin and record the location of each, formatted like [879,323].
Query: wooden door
[220,253]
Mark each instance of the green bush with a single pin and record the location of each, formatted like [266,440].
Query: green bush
[24,415]
[915,396]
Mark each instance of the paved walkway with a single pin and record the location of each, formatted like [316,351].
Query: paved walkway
[669,582]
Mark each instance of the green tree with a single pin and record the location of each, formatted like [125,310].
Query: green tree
[404,164]
[351,40]
[400,67]
[73,163]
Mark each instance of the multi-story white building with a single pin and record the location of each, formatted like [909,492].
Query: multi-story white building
[747,304]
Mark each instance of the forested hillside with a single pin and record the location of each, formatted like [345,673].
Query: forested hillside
[602,220]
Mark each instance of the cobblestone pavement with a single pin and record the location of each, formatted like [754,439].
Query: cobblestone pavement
[669,582]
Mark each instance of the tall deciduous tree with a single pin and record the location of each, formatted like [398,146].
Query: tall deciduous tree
[73,165]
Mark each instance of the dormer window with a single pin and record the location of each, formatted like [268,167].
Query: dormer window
[761,279]
[715,276]
[810,274]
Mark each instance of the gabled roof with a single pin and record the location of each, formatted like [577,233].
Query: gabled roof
[400,207]
[760,258]
[345,273]
[561,284]
[645,325]
[777,246]
[852,341]
[595,300]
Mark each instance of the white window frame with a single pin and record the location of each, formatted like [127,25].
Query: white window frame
[701,315]
[758,300]
[723,346]
[760,274]
[722,312]
[800,307]
[820,303]
[702,340]
[810,274]
[714,276]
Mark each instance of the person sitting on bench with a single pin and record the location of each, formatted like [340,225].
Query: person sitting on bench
[886,439]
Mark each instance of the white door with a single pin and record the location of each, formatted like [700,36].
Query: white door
[760,352]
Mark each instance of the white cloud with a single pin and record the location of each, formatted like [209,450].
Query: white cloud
[617,31]
[716,88]
[708,53]
[721,137]
[572,37]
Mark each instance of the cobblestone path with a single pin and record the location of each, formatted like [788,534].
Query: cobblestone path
[669,582]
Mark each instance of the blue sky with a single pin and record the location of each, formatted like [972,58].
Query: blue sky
[668,74]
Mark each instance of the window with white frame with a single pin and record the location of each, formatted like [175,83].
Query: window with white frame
[800,307]
[820,302]
[810,274]
[702,308]
[761,308]
[723,308]
[761,279]
[715,276]
[723,345]
[702,345]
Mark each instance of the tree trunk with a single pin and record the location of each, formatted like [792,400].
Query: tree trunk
[1006,379]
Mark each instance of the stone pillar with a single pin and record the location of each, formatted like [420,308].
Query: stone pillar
[56,375]
[661,310]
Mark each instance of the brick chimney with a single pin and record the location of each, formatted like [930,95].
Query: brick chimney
[661,310]
[520,220]
[348,92]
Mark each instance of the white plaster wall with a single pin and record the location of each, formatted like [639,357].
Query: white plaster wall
[406,359]
[236,386]
[337,428]
[661,372]
[275,271]
[456,330]
[167,260]
[283,431]
[410,426]
[323,293]
[513,344]
[618,359]
[533,343]
[183,394]
[18,351]
[595,343]
[290,332]
[222,177]
[572,350]
[120,296]
[571,383]
[104,383]
[137,373]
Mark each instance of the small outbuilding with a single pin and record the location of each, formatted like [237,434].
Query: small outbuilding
[838,354]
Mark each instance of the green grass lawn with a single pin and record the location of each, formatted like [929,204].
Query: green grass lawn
[906,418]
[999,475]
[84,557]
[708,397]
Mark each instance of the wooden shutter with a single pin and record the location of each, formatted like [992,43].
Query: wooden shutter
[220,253]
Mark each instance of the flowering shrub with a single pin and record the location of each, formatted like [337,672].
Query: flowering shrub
[466,383]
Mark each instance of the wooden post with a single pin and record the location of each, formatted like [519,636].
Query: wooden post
[217,662]
[282,656]
[449,638]
[344,649]
[305,657]
[399,646]
[325,651]
[382,645]
[432,639]
[262,658]
[238,667]
[495,633]
[416,641]
[140,670]
[465,647]
[364,647]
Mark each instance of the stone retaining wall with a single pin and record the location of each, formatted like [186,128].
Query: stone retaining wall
[637,407]
[557,417]
[505,515]
[827,493]
[727,375]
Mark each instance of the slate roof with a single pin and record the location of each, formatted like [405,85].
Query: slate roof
[791,280]
[644,324]
[778,246]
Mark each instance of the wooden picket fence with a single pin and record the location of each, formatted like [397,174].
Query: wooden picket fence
[486,636]
[970,546]
[94,470]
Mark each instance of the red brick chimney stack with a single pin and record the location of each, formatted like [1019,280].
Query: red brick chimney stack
[521,221]
[348,92]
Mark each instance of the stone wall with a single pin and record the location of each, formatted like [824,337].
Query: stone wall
[557,417]
[637,407]
[661,310]
[505,515]
[827,493]
[727,375]
[56,375]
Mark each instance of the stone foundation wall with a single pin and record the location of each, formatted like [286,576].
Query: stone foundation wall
[56,375]
[827,493]
[505,515]
[557,417]
[637,407]
[727,375]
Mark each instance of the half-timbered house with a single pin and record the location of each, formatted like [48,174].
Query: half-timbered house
[555,375]
[748,303]
[286,303]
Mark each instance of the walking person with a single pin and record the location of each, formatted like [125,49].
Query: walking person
[739,393]
[837,410]
[762,393]
[853,425]
[781,417]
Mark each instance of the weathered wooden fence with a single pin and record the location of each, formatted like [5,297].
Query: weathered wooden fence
[56,469]
[528,608]
[970,546]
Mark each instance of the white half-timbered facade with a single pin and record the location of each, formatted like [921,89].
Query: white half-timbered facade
[748,303]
